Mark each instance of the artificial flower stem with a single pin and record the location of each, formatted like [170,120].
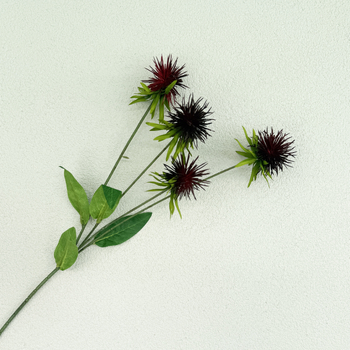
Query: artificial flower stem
[140,205]
[89,235]
[81,232]
[93,241]
[27,299]
[127,144]
[220,172]
[148,166]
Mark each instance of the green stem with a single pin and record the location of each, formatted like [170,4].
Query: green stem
[220,172]
[88,236]
[127,144]
[148,166]
[27,299]
[93,241]
[81,232]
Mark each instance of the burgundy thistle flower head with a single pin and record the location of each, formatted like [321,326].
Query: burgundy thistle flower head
[268,152]
[164,74]
[188,124]
[275,150]
[163,87]
[181,179]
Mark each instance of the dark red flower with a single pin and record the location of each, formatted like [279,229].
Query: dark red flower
[191,120]
[164,73]
[188,124]
[267,153]
[275,150]
[180,179]
[185,177]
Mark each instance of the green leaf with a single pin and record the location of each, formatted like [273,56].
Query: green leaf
[243,148]
[161,110]
[245,161]
[167,104]
[121,230]
[246,136]
[171,206]
[245,154]
[177,207]
[146,87]
[104,202]
[140,99]
[154,104]
[66,252]
[77,196]
[157,126]
[172,145]
[169,87]
[162,137]
[254,173]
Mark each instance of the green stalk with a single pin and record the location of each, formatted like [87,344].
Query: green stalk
[27,299]
[88,236]
[81,232]
[127,144]
[148,166]
[220,172]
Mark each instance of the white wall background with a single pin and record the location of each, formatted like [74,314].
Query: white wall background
[252,269]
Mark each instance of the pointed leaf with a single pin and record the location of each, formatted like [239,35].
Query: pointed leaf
[157,126]
[104,202]
[177,207]
[121,230]
[246,136]
[244,162]
[166,102]
[245,154]
[146,87]
[154,104]
[243,148]
[66,252]
[172,145]
[170,86]
[77,196]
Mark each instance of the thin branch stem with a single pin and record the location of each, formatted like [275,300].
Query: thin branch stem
[81,232]
[127,144]
[88,236]
[148,166]
[220,172]
[27,299]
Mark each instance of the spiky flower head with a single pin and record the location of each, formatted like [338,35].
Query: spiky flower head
[180,179]
[267,152]
[163,87]
[186,125]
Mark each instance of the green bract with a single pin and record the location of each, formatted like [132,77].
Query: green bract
[158,98]
[250,153]
[168,186]
[178,143]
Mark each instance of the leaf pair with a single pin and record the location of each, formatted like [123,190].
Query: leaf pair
[103,203]
[115,233]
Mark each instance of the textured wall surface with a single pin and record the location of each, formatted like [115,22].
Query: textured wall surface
[254,268]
